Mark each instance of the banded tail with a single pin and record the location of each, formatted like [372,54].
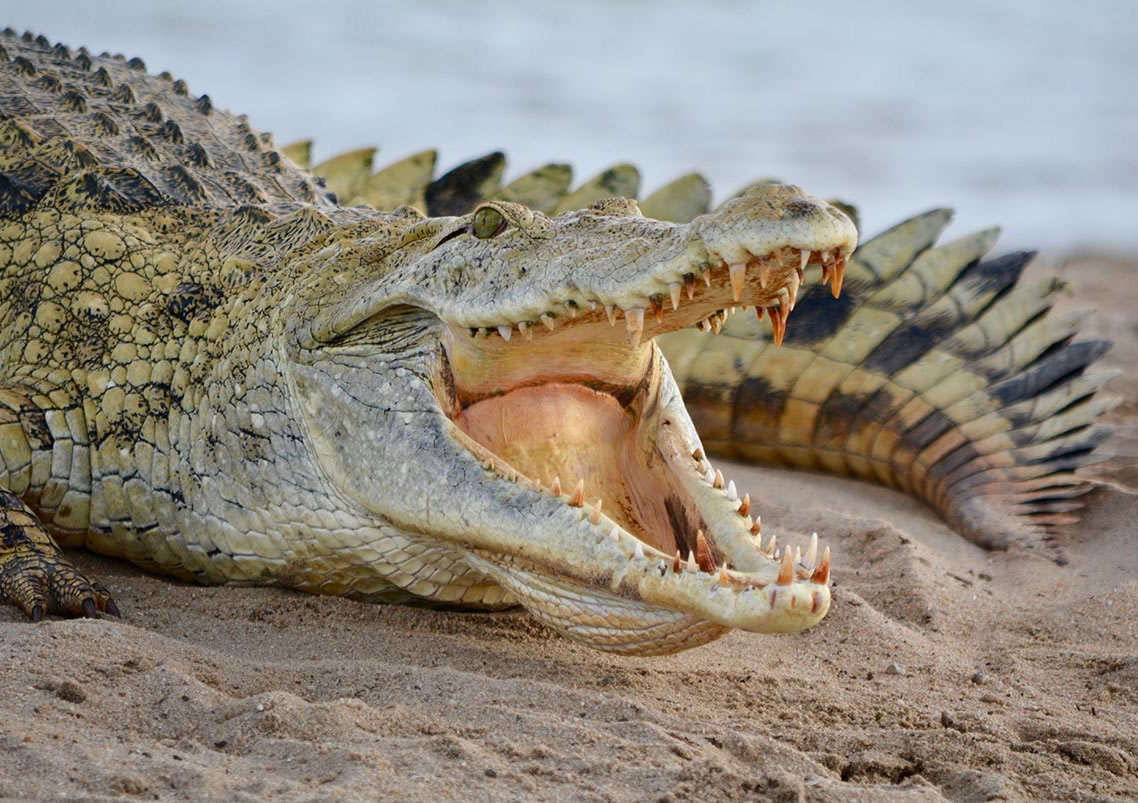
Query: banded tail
[935,372]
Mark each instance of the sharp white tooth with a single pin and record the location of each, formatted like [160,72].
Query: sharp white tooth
[732,494]
[639,551]
[614,534]
[738,274]
[798,554]
[593,305]
[812,551]
[595,514]
[674,291]
[548,320]
[556,486]
[709,477]
[634,324]
[765,268]
[706,276]
[792,285]
[805,257]
[570,309]
[505,332]
[717,480]
[771,545]
[610,311]
[692,566]
[523,327]
[827,256]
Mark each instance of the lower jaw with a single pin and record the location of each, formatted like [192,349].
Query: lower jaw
[596,618]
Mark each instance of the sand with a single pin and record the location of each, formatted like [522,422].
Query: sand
[942,671]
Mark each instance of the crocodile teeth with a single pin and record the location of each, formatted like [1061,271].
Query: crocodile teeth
[805,258]
[709,477]
[578,497]
[674,291]
[610,311]
[822,571]
[738,273]
[689,285]
[548,320]
[771,545]
[798,555]
[595,514]
[792,285]
[634,324]
[570,309]
[556,486]
[717,482]
[838,273]
[706,276]
[745,506]
[638,552]
[505,332]
[765,268]
[784,302]
[732,493]
[614,534]
[703,554]
[757,527]
[691,564]
[812,551]
[786,570]
[677,563]
[523,327]
[778,325]
[759,312]
[723,579]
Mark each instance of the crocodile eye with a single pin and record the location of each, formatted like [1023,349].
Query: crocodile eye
[488,222]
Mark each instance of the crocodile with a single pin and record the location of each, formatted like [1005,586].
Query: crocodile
[212,367]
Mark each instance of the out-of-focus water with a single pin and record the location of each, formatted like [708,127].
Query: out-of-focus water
[1021,112]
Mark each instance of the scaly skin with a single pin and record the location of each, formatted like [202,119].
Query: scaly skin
[210,368]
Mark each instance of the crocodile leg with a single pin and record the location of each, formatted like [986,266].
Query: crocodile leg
[34,574]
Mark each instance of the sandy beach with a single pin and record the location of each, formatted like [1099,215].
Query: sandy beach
[942,672]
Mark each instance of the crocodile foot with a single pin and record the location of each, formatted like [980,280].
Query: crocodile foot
[34,574]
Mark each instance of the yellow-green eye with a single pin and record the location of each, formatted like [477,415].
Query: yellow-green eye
[488,222]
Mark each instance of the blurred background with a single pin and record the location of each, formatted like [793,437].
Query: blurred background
[1020,112]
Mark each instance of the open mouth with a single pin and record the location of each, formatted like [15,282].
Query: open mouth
[572,403]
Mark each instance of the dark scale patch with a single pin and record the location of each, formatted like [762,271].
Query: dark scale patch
[36,176]
[172,133]
[681,527]
[165,75]
[252,142]
[994,275]
[83,62]
[42,41]
[191,300]
[50,83]
[104,125]
[879,409]
[23,66]
[1060,363]
[184,187]
[123,94]
[253,215]
[123,190]
[929,429]
[74,101]
[908,342]
[14,136]
[818,316]
[457,192]
[103,78]
[243,191]
[152,113]
[16,197]
[143,148]
[61,52]
[137,64]
[757,407]
[836,417]
[204,104]
[181,87]
[962,455]
[798,209]
[4,56]
[196,154]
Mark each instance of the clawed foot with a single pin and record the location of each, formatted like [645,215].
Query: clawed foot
[36,577]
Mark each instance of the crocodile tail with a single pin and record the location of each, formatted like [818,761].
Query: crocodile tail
[937,372]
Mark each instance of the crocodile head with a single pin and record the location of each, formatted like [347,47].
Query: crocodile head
[490,382]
